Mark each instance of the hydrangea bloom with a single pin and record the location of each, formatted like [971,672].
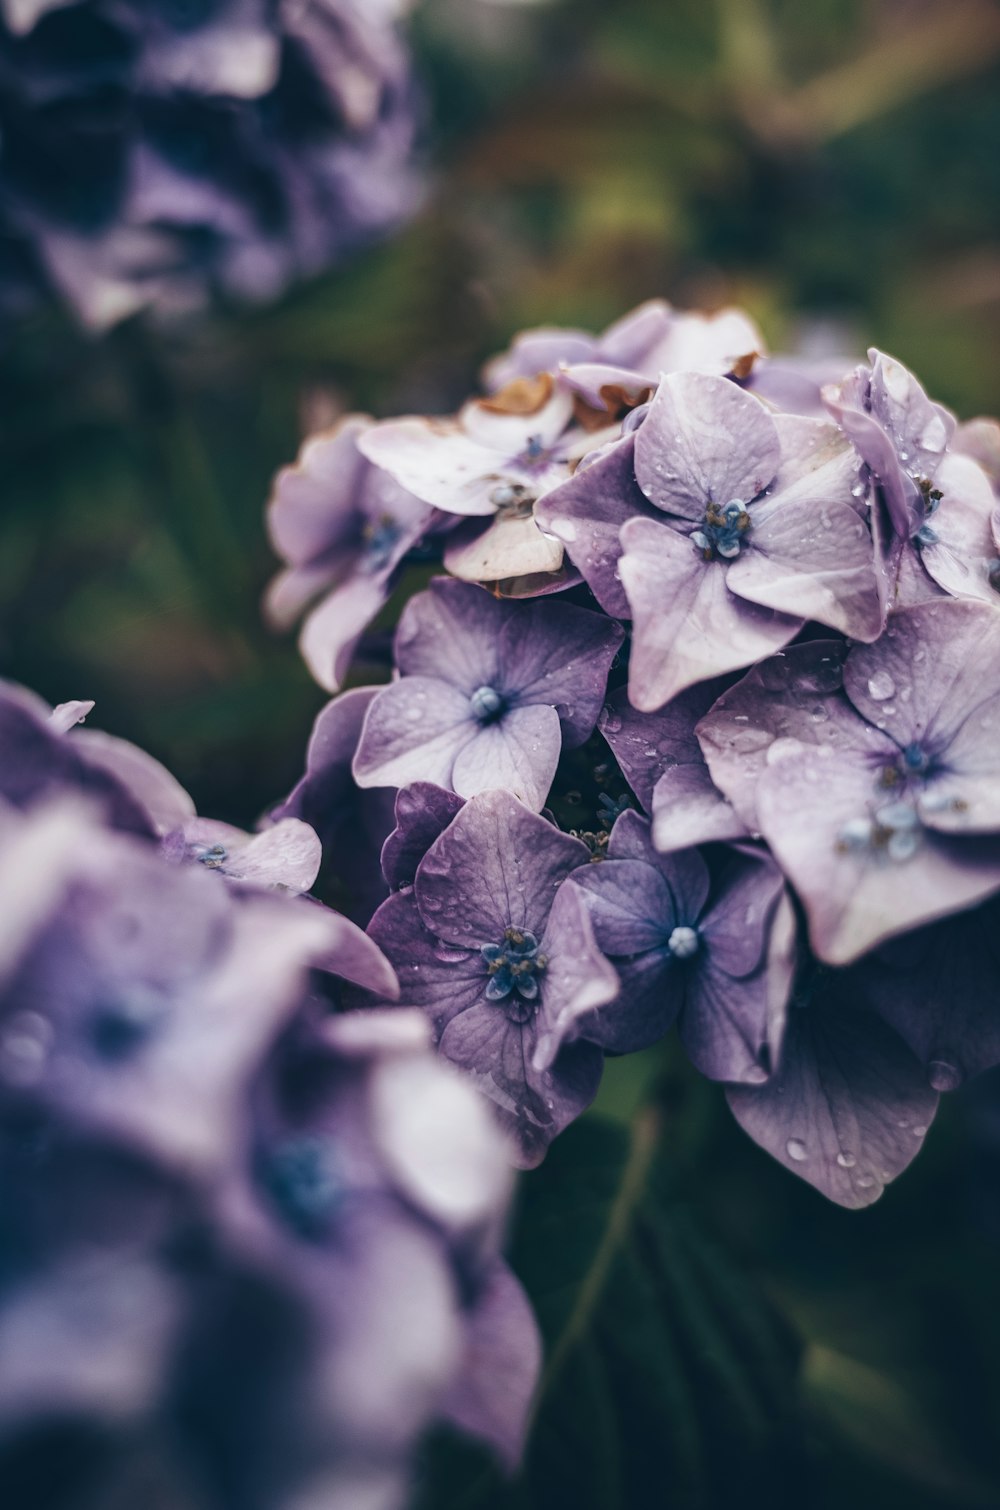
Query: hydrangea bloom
[156,154]
[202,1166]
[803,706]
[489,692]
[501,956]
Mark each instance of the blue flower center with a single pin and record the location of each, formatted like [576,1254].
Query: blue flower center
[993,574]
[302,1176]
[119,1028]
[487,704]
[684,942]
[535,457]
[893,830]
[213,856]
[513,967]
[724,530]
[380,538]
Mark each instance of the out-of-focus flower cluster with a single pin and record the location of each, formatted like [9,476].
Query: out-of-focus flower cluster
[245,1237]
[701,728]
[158,153]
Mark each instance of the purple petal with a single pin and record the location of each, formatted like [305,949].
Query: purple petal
[645,745]
[413,731]
[849,1106]
[688,808]
[433,976]
[491,1395]
[794,696]
[331,632]
[938,987]
[507,861]
[809,553]
[554,653]
[519,752]
[704,440]
[451,632]
[856,896]
[687,626]
[533,1105]
[961,557]
[578,978]
[423,812]
[587,512]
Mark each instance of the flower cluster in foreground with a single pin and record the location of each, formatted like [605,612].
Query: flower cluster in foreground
[701,728]
[159,153]
[245,1235]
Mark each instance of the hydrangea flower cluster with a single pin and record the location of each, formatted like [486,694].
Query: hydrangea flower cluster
[246,1235]
[699,728]
[158,153]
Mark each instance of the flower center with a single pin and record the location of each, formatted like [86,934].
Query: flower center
[379,539]
[684,942]
[993,574]
[302,1177]
[118,1028]
[513,967]
[724,530]
[213,857]
[487,704]
[512,500]
[893,830]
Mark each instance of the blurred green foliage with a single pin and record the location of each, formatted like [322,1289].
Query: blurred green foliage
[834,166]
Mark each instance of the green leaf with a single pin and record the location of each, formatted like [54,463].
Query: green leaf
[667,1380]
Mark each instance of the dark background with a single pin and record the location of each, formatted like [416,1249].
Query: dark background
[832,166]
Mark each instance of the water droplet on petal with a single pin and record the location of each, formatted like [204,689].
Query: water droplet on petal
[796,1149]
[943,1076]
[846,1160]
[881,686]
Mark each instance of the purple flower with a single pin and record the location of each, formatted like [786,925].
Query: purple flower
[343,526]
[352,826]
[899,433]
[501,956]
[710,948]
[40,757]
[493,462]
[763,531]
[489,692]
[881,802]
[634,352]
[157,155]
[134,995]
[849,1105]
[285,857]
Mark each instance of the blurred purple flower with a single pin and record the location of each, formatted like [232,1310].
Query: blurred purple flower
[489,693]
[633,353]
[711,947]
[502,958]
[343,526]
[160,154]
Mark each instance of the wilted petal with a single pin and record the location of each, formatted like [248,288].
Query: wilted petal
[507,547]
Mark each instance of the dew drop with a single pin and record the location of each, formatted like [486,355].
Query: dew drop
[846,1160]
[865,1181]
[920,1132]
[943,1076]
[881,686]
[796,1149]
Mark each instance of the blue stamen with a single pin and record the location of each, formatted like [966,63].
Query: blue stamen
[723,532]
[487,704]
[303,1179]
[513,966]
